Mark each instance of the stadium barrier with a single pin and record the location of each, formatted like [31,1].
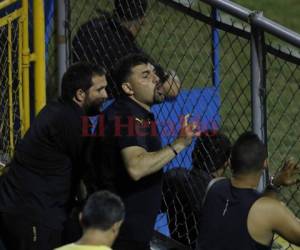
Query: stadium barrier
[21,45]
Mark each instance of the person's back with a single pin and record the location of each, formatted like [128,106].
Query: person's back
[235,216]
[226,211]
[184,189]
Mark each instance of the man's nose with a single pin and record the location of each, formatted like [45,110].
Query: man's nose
[156,79]
[105,94]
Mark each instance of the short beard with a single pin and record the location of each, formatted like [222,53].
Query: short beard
[92,110]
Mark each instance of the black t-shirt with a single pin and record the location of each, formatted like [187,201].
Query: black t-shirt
[46,164]
[142,198]
[223,221]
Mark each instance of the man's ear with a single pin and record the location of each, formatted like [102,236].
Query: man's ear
[80,95]
[265,164]
[116,226]
[127,88]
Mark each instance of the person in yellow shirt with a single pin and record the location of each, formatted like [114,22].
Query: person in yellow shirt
[101,219]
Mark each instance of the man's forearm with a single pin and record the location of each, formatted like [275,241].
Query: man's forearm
[150,162]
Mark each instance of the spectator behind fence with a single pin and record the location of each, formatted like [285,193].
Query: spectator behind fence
[235,216]
[133,159]
[184,189]
[106,39]
[101,219]
[36,192]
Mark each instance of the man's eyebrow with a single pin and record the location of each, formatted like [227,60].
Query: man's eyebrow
[146,71]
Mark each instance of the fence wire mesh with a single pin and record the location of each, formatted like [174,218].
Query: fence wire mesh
[179,36]
[283,116]
[10,86]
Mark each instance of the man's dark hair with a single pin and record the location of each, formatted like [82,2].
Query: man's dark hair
[248,154]
[102,210]
[123,68]
[129,10]
[79,76]
[212,149]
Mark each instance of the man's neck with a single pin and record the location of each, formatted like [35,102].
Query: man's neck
[94,237]
[143,105]
[246,180]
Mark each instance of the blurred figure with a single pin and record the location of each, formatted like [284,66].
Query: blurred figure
[235,216]
[106,39]
[184,189]
[101,219]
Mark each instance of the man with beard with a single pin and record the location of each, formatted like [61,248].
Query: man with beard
[36,192]
[133,154]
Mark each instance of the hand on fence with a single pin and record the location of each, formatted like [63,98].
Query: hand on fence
[188,131]
[288,175]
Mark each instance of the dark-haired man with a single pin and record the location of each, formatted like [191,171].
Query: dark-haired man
[133,154]
[184,189]
[101,219]
[235,216]
[35,192]
[106,39]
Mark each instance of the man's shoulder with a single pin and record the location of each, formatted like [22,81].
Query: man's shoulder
[264,204]
[73,246]
[120,108]
[57,114]
[218,184]
[61,109]
[267,210]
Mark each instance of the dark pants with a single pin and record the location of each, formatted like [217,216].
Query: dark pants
[20,234]
[130,245]
[72,229]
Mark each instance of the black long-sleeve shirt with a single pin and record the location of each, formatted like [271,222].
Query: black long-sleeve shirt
[46,166]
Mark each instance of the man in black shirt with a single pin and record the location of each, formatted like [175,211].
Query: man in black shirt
[183,189]
[36,192]
[106,39]
[133,153]
[235,216]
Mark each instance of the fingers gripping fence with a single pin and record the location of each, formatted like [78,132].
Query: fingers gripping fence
[15,58]
[234,78]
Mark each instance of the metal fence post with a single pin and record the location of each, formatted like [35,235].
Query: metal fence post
[258,88]
[215,50]
[25,66]
[61,41]
[39,50]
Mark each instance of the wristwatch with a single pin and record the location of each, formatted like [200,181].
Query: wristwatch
[272,186]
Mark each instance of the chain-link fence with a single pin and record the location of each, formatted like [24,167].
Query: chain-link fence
[10,82]
[21,43]
[211,53]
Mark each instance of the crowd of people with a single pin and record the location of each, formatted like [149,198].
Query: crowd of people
[111,186]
